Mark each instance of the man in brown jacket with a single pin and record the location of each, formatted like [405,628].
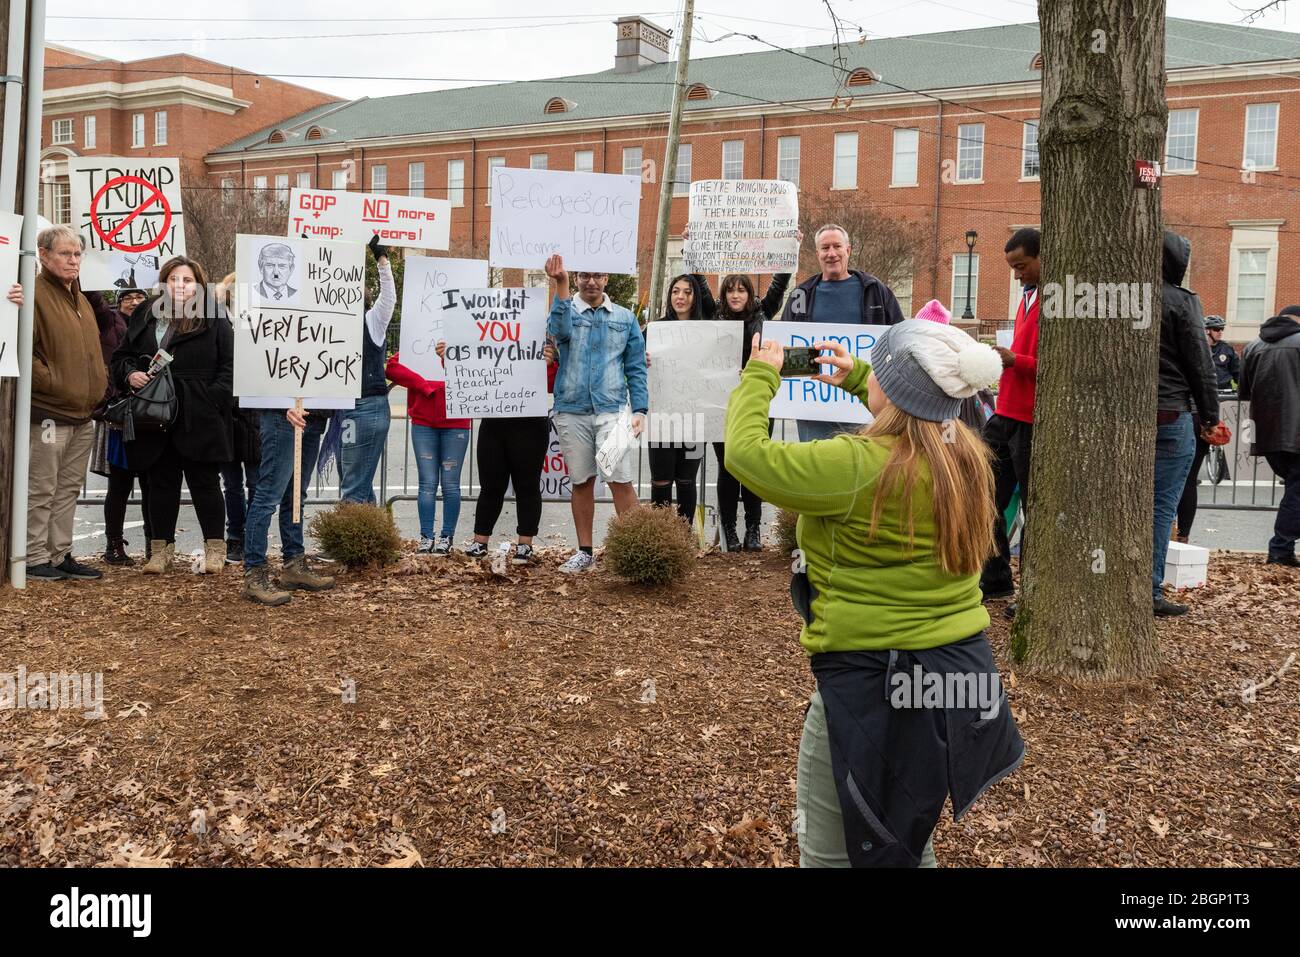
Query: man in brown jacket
[68,379]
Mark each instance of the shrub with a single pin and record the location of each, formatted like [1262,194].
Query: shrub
[357,535]
[650,546]
[783,529]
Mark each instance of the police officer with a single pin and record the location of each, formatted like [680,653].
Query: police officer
[1226,364]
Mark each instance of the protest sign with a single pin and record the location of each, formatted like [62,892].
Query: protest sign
[805,398]
[495,360]
[694,365]
[427,281]
[556,483]
[129,212]
[590,219]
[743,225]
[298,330]
[1003,337]
[355,217]
[11,228]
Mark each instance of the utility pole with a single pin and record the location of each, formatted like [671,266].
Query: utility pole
[669,171]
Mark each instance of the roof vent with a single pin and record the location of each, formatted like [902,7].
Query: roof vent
[699,91]
[1037,62]
[276,137]
[315,133]
[558,104]
[861,77]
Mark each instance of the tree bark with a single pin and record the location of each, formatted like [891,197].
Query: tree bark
[1085,609]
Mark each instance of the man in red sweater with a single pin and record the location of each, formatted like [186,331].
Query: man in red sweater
[1010,431]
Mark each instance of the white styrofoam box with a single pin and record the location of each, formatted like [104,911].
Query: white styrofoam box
[1180,554]
[1184,576]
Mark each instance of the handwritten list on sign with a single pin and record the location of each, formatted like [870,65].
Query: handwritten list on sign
[299,326]
[495,356]
[743,225]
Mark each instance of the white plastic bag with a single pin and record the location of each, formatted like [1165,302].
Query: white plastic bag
[616,446]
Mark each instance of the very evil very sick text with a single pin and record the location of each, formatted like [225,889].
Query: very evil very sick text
[495,352]
[314,345]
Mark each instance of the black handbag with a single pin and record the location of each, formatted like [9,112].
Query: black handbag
[151,408]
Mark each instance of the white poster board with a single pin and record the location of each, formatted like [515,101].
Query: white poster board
[356,217]
[591,219]
[300,320]
[427,281]
[1003,337]
[743,225]
[495,361]
[694,366]
[129,212]
[804,398]
[11,230]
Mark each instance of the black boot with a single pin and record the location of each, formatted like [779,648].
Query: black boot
[115,553]
[729,537]
[753,539]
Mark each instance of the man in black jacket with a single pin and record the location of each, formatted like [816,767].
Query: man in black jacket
[838,294]
[1186,376]
[1270,380]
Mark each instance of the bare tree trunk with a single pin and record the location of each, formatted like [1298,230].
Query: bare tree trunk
[1086,604]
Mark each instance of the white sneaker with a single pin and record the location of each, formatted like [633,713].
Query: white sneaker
[580,562]
[443,547]
[425,546]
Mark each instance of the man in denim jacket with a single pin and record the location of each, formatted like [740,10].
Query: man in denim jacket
[602,370]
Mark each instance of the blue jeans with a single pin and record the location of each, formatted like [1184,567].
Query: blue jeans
[810,430]
[235,476]
[275,486]
[365,432]
[1175,449]
[439,455]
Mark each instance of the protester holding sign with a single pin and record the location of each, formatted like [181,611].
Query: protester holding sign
[68,381]
[894,525]
[187,322]
[602,369]
[363,430]
[440,445]
[842,295]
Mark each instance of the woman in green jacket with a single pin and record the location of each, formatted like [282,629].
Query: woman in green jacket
[894,525]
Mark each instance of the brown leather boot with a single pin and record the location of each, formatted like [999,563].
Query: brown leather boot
[298,574]
[258,587]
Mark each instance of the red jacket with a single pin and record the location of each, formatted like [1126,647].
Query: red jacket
[1016,387]
[426,402]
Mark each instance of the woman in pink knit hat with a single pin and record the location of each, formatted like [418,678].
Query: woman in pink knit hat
[976,409]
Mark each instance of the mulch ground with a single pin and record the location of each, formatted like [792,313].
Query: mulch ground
[546,720]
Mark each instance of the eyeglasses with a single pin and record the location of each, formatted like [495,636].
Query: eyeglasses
[587,276]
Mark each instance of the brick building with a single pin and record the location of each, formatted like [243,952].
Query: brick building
[937,130]
[176,105]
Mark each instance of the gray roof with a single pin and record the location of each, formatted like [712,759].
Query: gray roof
[931,61]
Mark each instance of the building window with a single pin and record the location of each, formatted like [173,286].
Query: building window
[282,188]
[970,152]
[1180,141]
[456,182]
[902,289]
[303,181]
[1261,136]
[137,131]
[632,161]
[906,144]
[160,128]
[259,193]
[339,179]
[62,132]
[379,178]
[494,163]
[733,159]
[787,159]
[845,172]
[537,161]
[227,191]
[1252,286]
[62,199]
[959,264]
[584,161]
[1029,168]
[89,142]
[414,179]
[682,178]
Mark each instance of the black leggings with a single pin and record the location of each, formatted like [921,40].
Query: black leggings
[731,492]
[165,496]
[678,465]
[120,483]
[511,450]
[1187,504]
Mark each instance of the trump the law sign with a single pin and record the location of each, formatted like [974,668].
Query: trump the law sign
[355,217]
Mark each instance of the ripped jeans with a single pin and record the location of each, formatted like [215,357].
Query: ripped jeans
[439,455]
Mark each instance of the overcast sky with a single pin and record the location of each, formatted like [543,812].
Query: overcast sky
[510,39]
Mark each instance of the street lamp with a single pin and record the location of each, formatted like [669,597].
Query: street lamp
[971,236]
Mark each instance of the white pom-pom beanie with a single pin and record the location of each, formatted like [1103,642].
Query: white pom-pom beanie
[927,369]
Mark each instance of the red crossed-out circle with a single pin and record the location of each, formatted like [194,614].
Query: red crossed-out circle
[155,196]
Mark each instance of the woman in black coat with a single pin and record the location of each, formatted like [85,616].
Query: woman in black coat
[197,333]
